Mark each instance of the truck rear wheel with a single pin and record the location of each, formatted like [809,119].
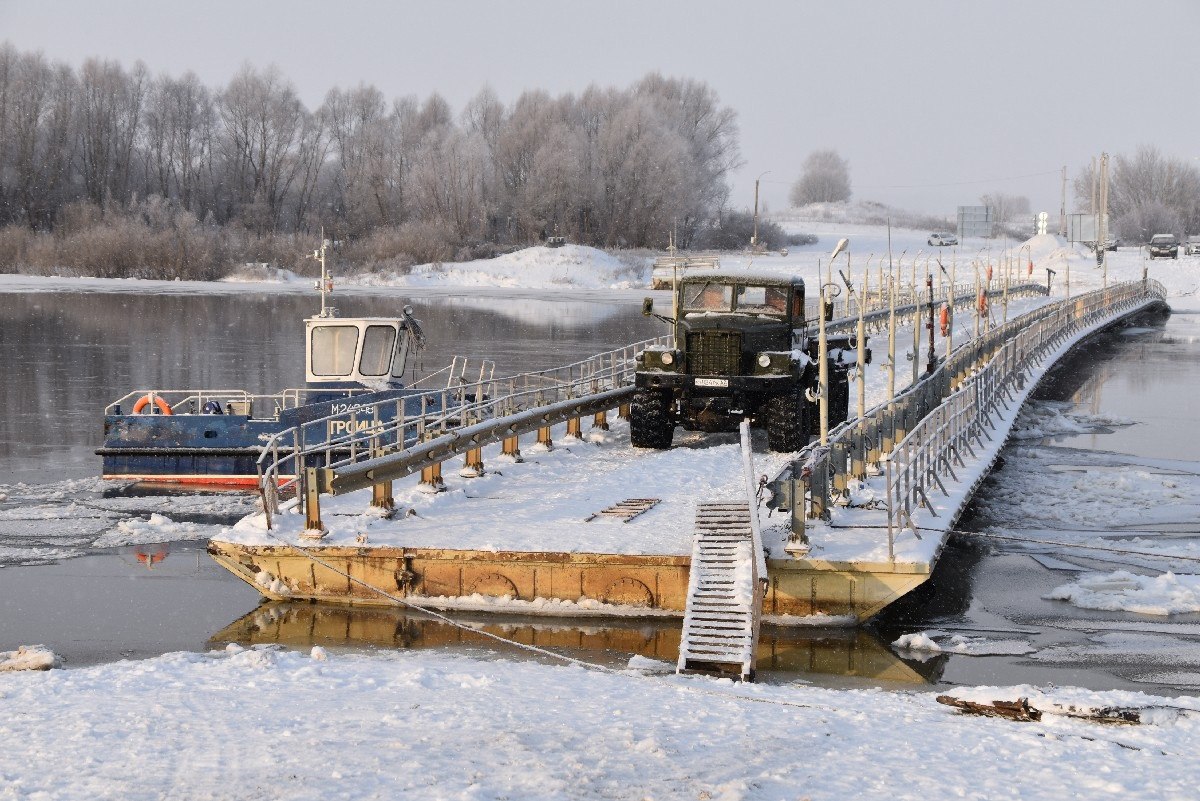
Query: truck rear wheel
[786,429]
[650,421]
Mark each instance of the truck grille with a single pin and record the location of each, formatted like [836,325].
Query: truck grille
[714,353]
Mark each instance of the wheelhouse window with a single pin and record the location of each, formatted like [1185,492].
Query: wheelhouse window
[333,349]
[378,344]
[708,296]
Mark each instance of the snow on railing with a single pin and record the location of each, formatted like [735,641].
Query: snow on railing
[919,437]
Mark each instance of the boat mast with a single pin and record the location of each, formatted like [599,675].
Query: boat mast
[325,285]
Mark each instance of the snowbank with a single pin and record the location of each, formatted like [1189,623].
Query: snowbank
[574,266]
[263,722]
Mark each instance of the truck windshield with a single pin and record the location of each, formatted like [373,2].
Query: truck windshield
[762,299]
[708,296]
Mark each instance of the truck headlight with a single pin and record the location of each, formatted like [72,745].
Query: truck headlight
[668,358]
[764,360]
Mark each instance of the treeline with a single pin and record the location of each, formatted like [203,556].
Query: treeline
[1149,194]
[113,170]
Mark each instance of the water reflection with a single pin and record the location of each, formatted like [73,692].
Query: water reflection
[844,653]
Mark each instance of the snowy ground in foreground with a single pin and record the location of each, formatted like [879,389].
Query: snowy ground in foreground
[266,723]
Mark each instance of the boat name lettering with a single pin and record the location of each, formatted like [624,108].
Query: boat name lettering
[346,408]
[349,427]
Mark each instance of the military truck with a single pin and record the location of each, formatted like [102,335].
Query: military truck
[743,348]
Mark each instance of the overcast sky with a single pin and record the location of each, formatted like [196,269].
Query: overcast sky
[933,103]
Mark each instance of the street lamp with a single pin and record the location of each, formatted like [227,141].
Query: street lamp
[754,236]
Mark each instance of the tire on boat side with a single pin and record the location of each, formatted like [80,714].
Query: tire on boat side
[786,429]
[650,421]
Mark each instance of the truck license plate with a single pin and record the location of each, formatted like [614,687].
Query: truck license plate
[712,382]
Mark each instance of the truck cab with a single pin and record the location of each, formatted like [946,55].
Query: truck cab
[742,348]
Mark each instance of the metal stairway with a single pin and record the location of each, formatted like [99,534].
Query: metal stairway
[725,590]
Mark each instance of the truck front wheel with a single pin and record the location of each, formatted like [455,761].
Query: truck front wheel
[650,422]
[786,429]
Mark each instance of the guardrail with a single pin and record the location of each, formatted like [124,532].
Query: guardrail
[374,443]
[919,437]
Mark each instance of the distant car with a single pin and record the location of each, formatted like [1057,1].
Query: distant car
[943,239]
[1163,246]
[1193,245]
[1113,243]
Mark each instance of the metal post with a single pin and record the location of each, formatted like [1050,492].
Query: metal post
[381,497]
[574,428]
[931,365]
[472,464]
[623,411]
[312,503]
[861,337]
[600,421]
[543,438]
[512,448]
[823,369]
[431,479]
[891,335]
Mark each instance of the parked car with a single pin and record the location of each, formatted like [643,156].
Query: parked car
[940,239]
[1163,246]
[1193,245]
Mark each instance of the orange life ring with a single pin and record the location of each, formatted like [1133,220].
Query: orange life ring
[983,304]
[945,320]
[145,400]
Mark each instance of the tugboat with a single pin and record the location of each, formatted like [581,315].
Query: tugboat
[212,438]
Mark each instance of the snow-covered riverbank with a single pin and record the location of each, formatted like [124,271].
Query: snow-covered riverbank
[266,723]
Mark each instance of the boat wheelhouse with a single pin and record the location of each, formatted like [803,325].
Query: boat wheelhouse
[213,437]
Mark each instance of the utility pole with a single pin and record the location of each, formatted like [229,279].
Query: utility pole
[1062,209]
[1102,233]
[916,359]
[754,236]
[1093,209]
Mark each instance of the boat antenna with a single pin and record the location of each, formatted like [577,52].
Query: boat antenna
[325,284]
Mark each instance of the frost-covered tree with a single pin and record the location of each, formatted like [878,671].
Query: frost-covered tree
[825,179]
[1149,193]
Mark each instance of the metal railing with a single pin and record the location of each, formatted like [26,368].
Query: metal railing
[919,437]
[388,439]
[877,304]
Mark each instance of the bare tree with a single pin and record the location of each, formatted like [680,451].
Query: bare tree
[826,179]
[1006,208]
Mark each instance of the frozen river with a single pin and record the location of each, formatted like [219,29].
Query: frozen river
[1102,416]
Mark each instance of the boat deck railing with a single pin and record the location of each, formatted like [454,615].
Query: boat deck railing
[193,401]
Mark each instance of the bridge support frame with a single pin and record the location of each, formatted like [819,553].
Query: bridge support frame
[472,464]
[511,448]
[600,421]
[431,479]
[312,504]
